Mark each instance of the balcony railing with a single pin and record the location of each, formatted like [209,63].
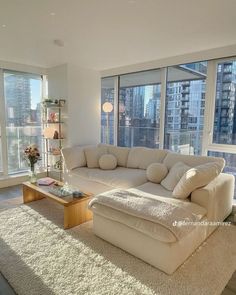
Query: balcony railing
[18,138]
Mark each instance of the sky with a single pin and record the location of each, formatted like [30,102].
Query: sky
[36,92]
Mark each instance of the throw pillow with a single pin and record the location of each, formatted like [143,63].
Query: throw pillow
[196,177]
[156,172]
[174,176]
[93,154]
[107,162]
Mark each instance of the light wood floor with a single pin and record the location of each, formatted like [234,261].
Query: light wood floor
[12,196]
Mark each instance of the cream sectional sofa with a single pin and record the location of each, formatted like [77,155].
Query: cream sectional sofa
[155,245]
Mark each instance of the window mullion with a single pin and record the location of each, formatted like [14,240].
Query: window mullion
[162,107]
[209,107]
[3,126]
[116,109]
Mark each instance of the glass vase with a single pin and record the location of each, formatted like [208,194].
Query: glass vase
[32,174]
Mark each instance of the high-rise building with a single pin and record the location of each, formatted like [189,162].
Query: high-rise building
[225,108]
[18,100]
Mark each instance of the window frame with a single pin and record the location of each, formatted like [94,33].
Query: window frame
[163,77]
[3,143]
[208,121]
[5,171]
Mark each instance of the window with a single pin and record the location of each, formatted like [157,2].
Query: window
[23,95]
[185,101]
[172,108]
[139,109]
[225,104]
[107,110]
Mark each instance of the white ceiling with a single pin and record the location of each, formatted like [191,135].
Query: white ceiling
[103,34]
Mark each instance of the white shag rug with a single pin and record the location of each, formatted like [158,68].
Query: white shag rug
[38,257]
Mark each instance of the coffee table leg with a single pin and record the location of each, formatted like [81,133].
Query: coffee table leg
[76,214]
[30,195]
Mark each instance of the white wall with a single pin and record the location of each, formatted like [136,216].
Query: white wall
[22,67]
[84,90]
[57,82]
[81,89]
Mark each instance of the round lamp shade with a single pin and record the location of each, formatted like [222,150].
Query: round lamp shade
[107,107]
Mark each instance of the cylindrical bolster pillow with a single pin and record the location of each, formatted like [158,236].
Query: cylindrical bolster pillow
[107,162]
[156,172]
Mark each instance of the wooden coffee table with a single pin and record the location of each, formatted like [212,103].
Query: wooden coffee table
[75,209]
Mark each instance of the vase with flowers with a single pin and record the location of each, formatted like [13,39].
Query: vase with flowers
[32,156]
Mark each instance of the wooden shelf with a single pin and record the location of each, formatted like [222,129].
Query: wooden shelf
[53,105]
[53,138]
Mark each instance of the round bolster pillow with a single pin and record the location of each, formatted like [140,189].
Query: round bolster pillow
[107,162]
[156,172]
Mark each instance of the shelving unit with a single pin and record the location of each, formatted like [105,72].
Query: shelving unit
[53,139]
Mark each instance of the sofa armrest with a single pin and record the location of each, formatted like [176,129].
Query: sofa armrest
[216,197]
[74,157]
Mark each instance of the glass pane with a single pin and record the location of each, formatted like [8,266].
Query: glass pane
[230,163]
[23,95]
[185,103]
[107,111]
[139,109]
[225,119]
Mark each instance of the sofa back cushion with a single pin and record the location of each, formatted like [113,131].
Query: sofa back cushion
[121,153]
[141,157]
[93,154]
[196,177]
[74,157]
[174,176]
[172,158]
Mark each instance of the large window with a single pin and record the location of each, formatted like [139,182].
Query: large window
[188,108]
[184,111]
[139,109]
[23,95]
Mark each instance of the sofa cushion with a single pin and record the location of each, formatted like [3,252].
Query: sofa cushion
[140,157]
[156,172]
[196,177]
[93,154]
[155,189]
[107,162]
[83,183]
[160,191]
[172,158]
[174,176]
[74,156]
[117,178]
[121,153]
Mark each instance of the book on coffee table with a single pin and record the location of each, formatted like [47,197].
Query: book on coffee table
[45,181]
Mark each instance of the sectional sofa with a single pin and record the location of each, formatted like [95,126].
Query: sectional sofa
[155,241]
